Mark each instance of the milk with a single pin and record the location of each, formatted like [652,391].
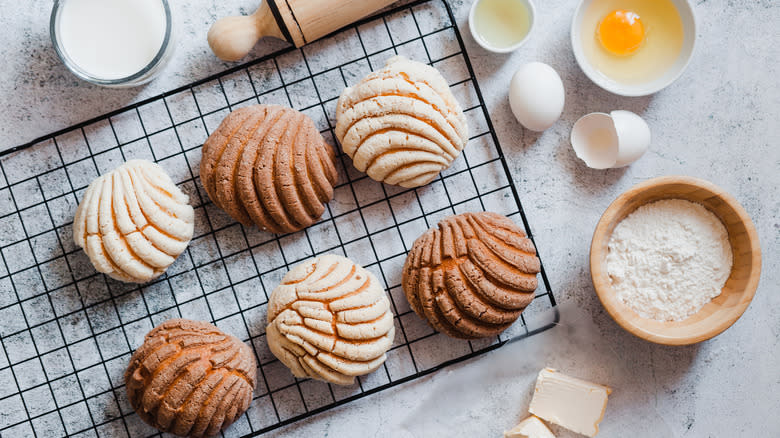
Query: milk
[112,39]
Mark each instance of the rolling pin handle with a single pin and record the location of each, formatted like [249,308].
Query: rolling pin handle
[232,38]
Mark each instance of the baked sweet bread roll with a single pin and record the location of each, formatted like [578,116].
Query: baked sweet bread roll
[190,379]
[268,165]
[472,275]
[401,124]
[133,222]
[330,319]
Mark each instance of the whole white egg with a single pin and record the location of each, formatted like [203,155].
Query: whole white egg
[536,96]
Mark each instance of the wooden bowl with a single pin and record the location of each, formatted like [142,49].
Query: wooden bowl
[717,315]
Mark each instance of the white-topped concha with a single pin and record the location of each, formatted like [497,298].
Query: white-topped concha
[330,319]
[401,124]
[133,222]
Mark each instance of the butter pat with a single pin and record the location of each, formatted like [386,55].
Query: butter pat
[531,427]
[572,403]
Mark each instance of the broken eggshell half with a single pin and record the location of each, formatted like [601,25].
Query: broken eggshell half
[605,141]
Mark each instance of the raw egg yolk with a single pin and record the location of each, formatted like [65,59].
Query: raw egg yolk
[621,32]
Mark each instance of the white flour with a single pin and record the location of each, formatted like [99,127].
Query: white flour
[669,258]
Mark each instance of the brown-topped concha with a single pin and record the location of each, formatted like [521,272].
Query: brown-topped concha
[268,165]
[472,275]
[330,319]
[133,222]
[401,124]
[190,379]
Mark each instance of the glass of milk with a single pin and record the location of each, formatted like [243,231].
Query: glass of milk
[113,43]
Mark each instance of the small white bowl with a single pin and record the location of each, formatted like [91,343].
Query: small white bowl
[485,45]
[647,88]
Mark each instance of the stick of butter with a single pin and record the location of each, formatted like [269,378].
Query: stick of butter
[531,427]
[572,403]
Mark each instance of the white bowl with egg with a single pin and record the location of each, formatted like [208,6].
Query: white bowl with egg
[501,26]
[662,57]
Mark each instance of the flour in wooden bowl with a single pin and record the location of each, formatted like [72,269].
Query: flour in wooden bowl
[668,259]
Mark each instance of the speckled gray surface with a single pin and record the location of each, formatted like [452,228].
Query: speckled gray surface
[718,122]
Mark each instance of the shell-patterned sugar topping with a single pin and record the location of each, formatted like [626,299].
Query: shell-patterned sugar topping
[133,222]
[268,165]
[330,319]
[401,124]
[190,379]
[472,275]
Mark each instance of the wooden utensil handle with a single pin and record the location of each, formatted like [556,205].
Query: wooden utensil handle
[308,20]
[297,21]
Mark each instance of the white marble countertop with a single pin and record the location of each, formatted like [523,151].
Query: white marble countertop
[718,122]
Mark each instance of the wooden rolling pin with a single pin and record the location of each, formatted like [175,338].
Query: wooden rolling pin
[296,21]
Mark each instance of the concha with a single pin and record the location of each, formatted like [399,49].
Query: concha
[133,222]
[190,379]
[268,165]
[330,319]
[401,124]
[472,275]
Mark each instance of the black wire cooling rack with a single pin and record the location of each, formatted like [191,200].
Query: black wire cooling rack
[67,332]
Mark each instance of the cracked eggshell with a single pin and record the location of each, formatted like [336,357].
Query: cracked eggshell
[536,96]
[595,140]
[633,136]
[605,141]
